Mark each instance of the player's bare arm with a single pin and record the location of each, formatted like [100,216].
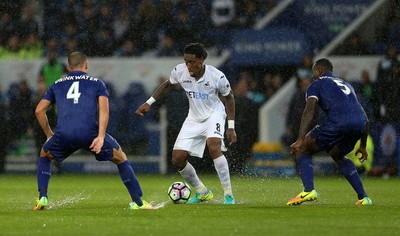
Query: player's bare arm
[163,89]
[306,120]
[230,110]
[104,116]
[41,116]
[363,142]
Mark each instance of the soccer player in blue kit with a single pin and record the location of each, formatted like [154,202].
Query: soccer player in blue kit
[83,114]
[345,123]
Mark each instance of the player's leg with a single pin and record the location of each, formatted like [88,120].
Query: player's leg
[190,141]
[125,170]
[43,177]
[349,170]
[51,150]
[127,175]
[215,129]
[188,172]
[222,168]
[306,171]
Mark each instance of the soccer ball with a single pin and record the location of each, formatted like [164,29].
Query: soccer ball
[179,192]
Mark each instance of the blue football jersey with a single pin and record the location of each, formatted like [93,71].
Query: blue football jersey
[337,99]
[76,96]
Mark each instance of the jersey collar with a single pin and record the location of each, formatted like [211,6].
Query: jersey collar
[327,74]
[76,72]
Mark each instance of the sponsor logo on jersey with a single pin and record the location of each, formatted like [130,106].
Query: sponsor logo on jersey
[186,82]
[207,84]
[197,95]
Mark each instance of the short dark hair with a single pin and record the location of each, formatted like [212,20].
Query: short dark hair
[197,49]
[76,59]
[325,64]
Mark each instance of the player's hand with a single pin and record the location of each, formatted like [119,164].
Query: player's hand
[364,154]
[142,109]
[96,145]
[296,146]
[231,136]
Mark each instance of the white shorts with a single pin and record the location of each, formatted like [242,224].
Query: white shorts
[193,135]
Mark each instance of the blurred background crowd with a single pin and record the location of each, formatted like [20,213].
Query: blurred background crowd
[161,28]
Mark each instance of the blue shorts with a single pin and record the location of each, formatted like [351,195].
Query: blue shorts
[327,135]
[62,147]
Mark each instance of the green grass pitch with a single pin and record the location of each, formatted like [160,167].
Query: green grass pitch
[98,205]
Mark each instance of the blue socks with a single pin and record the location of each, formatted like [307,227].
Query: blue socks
[43,175]
[348,169]
[306,169]
[129,179]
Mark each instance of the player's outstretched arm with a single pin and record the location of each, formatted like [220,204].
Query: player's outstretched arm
[163,89]
[41,116]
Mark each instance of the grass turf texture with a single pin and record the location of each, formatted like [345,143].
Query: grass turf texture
[98,205]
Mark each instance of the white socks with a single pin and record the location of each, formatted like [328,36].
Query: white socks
[222,168]
[189,174]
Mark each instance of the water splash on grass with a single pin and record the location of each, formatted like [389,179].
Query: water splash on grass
[160,205]
[69,200]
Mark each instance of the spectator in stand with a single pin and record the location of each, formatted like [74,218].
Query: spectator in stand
[182,31]
[246,124]
[69,32]
[128,49]
[104,42]
[167,47]
[106,16]
[120,25]
[254,93]
[70,46]
[272,83]
[164,9]
[248,14]
[29,23]
[52,69]
[12,49]
[52,44]
[364,92]
[387,80]
[87,28]
[277,81]
[32,47]
[146,25]
[20,109]
[305,69]
[388,90]
[7,28]
[354,46]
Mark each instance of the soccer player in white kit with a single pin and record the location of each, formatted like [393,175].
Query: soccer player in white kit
[205,122]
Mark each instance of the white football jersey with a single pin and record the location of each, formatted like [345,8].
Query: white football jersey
[202,94]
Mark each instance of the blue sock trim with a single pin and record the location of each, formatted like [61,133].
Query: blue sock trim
[43,175]
[306,169]
[128,177]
